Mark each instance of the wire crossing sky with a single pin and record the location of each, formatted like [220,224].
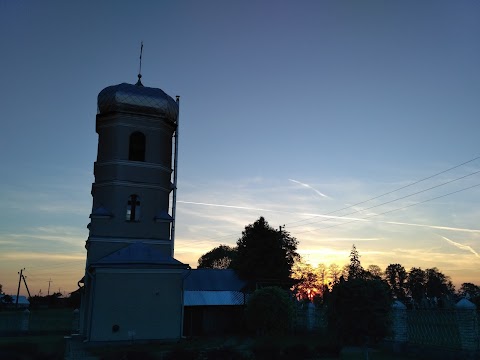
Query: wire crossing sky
[349,122]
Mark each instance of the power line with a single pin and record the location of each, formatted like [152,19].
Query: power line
[397,209]
[397,199]
[389,192]
[370,199]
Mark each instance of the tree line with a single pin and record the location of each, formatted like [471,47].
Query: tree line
[264,254]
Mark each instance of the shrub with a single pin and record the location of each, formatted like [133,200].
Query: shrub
[270,311]
[358,311]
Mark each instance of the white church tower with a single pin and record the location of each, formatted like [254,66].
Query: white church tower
[133,287]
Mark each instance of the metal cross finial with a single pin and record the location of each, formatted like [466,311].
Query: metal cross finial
[140,67]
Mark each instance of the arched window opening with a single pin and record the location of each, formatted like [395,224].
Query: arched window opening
[136,150]
[133,208]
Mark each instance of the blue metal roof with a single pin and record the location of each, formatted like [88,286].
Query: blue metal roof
[212,298]
[213,280]
[139,253]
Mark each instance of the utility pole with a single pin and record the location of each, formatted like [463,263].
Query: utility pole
[18,289]
[49,281]
[26,286]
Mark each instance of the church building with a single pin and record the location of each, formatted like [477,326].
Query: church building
[133,286]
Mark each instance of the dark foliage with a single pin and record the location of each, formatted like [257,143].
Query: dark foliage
[355,269]
[416,284]
[396,277]
[358,311]
[269,311]
[220,257]
[429,287]
[264,253]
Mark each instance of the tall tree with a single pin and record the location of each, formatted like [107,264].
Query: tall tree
[308,283]
[375,271]
[416,280]
[355,269]
[357,309]
[469,290]
[321,271]
[334,273]
[396,277]
[264,253]
[219,258]
[437,284]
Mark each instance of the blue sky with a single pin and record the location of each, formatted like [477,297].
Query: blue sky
[289,109]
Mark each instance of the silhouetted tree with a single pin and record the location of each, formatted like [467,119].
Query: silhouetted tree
[334,273]
[396,277]
[359,308]
[220,257]
[321,271]
[416,280]
[375,271]
[308,283]
[469,290]
[269,311]
[355,269]
[438,285]
[264,253]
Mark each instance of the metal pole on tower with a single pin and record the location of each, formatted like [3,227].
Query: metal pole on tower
[175,165]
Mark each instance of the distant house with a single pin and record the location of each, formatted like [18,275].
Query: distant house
[214,302]
[22,301]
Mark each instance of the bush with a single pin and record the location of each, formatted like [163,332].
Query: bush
[270,311]
[358,311]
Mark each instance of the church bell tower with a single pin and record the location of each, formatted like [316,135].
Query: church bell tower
[133,287]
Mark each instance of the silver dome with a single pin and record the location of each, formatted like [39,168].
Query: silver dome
[139,99]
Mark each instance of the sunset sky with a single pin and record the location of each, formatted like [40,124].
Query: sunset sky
[304,112]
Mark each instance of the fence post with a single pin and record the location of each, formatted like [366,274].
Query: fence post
[467,322]
[399,325]
[25,320]
[76,321]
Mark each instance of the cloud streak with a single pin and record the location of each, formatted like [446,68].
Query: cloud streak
[429,226]
[310,187]
[461,246]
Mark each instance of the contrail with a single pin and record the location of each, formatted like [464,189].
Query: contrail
[309,187]
[333,217]
[268,210]
[432,226]
[461,246]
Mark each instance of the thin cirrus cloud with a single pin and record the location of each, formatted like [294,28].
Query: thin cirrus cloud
[309,187]
[461,246]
